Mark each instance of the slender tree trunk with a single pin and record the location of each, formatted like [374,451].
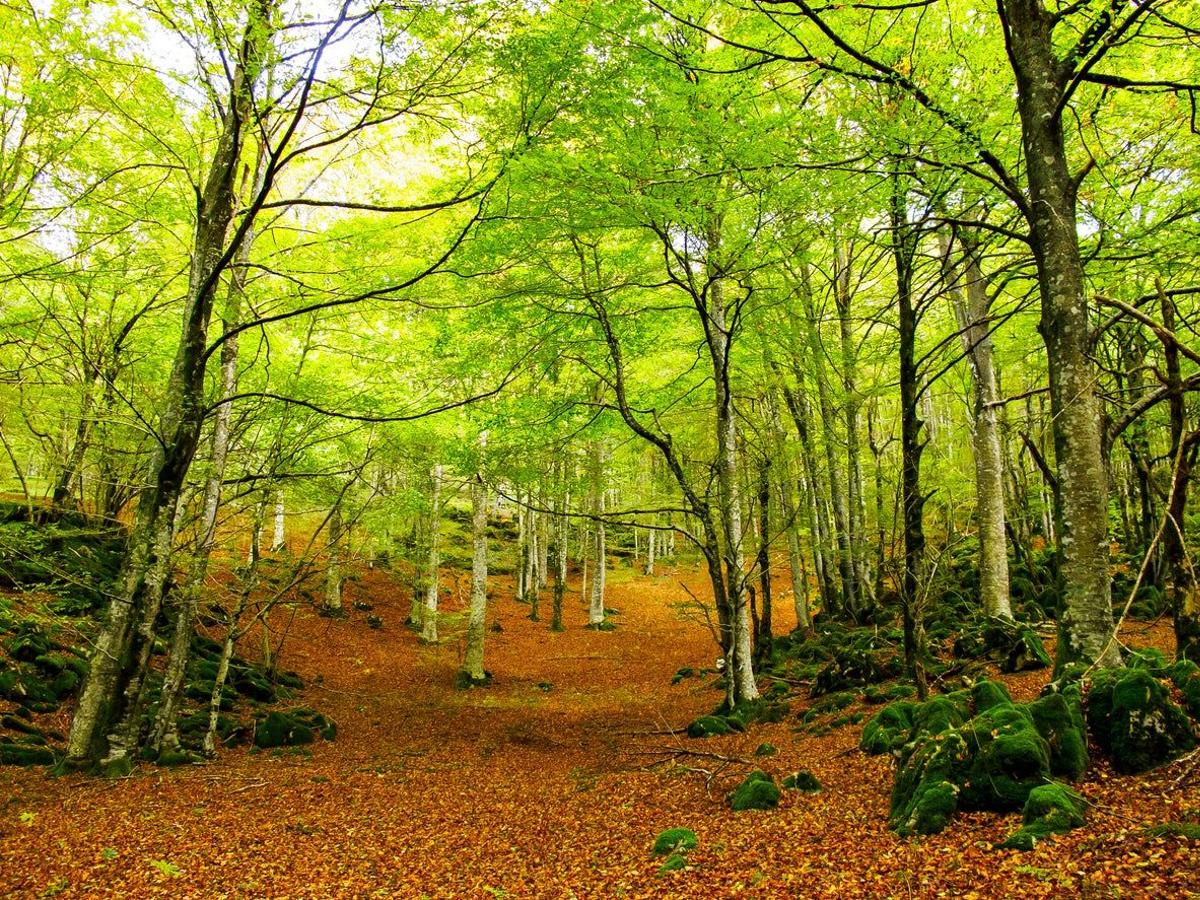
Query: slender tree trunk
[112,691]
[596,605]
[333,561]
[278,537]
[904,247]
[429,617]
[740,658]
[971,310]
[841,514]
[864,590]
[473,660]
[765,637]
[1085,622]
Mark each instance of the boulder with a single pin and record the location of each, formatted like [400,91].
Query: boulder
[757,791]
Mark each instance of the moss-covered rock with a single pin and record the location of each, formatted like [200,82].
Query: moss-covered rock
[757,791]
[925,794]
[1132,717]
[675,840]
[1008,759]
[1050,809]
[765,749]
[292,728]
[708,726]
[1058,718]
[14,754]
[888,730]
[803,781]
[986,694]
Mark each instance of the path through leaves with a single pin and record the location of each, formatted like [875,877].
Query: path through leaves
[550,783]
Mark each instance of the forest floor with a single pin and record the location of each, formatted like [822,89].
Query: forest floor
[552,782]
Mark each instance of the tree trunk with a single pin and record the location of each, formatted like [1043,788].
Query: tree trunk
[1085,622]
[473,671]
[971,312]
[429,616]
[278,537]
[333,562]
[904,246]
[596,604]
[112,691]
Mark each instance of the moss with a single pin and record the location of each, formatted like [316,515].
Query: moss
[707,726]
[25,755]
[802,781]
[673,840]
[672,863]
[293,728]
[1132,717]
[1051,809]
[765,749]
[173,758]
[1187,830]
[1027,653]
[1058,718]
[940,714]
[934,767]
[888,729]
[932,809]
[1186,676]
[987,694]
[757,791]
[1009,759]
[116,768]
[463,680]
[685,672]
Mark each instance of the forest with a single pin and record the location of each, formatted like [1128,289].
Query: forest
[548,448]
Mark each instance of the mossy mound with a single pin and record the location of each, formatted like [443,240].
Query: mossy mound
[757,791]
[708,726]
[803,781]
[25,754]
[1013,645]
[975,751]
[765,749]
[292,728]
[888,730]
[1050,809]
[1132,717]
[675,840]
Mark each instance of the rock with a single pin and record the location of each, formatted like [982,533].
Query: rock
[674,840]
[1014,645]
[16,723]
[888,730]
[25,755]
[765,749]
[707,726]
[1008,759]
[374,622]
[1059,720]
[802,781]
[1050,809]
[1132,717]
[925,794]
[292,728]
[757,791]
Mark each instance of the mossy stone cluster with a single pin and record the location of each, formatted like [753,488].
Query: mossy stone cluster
[804,781]
[974,750]
[726,721]
[1051,809]
[1013,645]
[292,728]
[38,672]
[757,791]
[674,844]
[1131,715]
